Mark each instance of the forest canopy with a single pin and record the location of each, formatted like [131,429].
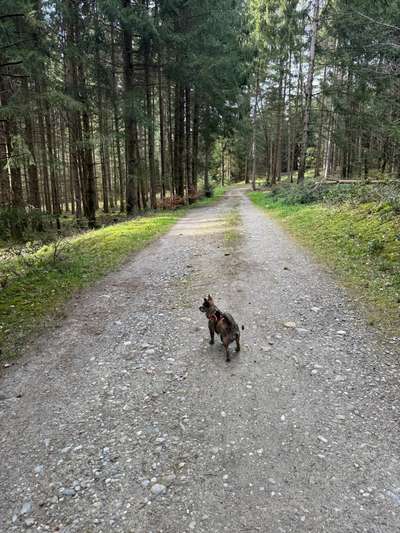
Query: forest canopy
[120,106]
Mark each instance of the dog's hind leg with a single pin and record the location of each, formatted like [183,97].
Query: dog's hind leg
[211,327]
[237,339]
[228,357]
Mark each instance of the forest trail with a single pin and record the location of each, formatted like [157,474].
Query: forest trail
[124,419]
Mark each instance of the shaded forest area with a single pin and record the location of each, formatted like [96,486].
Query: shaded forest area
[114,106]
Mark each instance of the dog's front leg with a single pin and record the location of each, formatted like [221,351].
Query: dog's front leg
[211,327]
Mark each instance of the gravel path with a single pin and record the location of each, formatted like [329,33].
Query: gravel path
[124,419]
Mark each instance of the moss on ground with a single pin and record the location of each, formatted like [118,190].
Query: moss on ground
[361,243]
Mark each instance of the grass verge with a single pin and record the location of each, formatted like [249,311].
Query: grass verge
[231,233]
[362,245]
[37,284]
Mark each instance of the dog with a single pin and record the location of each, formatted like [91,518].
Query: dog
[221,323]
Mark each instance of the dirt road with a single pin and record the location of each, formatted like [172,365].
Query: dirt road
[124,419]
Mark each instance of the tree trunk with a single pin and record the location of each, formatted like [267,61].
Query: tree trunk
[195,153]
[179,140]
[206,164]
[276,173]
[116,122]
[45,164]
[318,157]
[188,140]
[55,200]
[67,189]
[88,165]
[309,88]
[5,189]
[103,162]
[17,197]
[171,144]
[34,194]
[254,137]
[130,122]
[162,133]
[150,123]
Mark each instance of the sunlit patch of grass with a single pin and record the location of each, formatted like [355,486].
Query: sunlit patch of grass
[358,243]
[36,289]
[231,233]
[36,285]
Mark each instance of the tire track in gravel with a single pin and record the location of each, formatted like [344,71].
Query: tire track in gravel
[128,421]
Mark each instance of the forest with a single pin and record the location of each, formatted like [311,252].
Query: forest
[112,107]
[199,266]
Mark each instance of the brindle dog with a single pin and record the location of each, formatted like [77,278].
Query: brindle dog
[221,323]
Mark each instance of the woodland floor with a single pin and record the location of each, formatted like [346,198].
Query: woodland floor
[124,419]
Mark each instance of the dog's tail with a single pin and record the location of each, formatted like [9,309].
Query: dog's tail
[242,327]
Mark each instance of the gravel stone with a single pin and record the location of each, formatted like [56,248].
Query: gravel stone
[92,406]
[158,489]
[26,508]
[69,492]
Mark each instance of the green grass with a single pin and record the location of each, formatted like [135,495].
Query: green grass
[35,286]
[362,245]
[39,285]
[231,233]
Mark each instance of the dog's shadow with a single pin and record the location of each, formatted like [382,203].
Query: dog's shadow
[217,353]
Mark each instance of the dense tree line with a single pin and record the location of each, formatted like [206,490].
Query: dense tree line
[114,104]
[325,89]
[128,104]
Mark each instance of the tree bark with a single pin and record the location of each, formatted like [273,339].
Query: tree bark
[5,189]
[254,137]
[150,123]
[308,99]
[195,141]
[179,140]
[188,141]
[55,200]
[115,98]
[130,122]
[34,193]
[162,134]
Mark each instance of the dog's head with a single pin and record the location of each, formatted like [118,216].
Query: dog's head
[208,304]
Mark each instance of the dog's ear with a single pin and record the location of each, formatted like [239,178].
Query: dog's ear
[210,298]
